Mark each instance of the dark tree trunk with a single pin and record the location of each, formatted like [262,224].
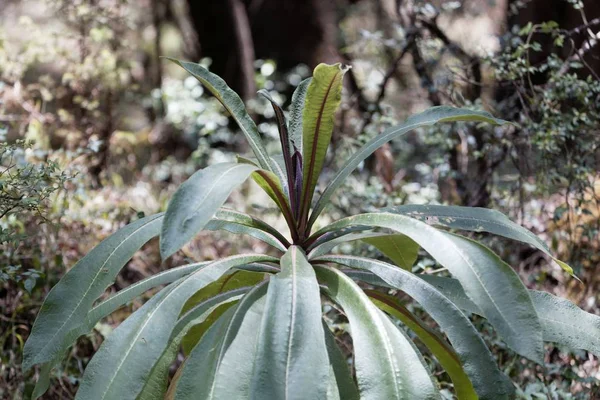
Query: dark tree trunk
[291,32]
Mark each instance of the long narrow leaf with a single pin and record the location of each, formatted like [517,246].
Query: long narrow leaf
[233,104]
[198,377]
[240,223]
[478,220]
[120,367]
[447,357]
[488,281]
[296,111]
[196,202]
[156,384]
[292,358]
[240,346]
[475,357]
[69,301]
[234,280]
[341,385]
[323,98]
[387,366]
[562,321]
[428,117]
[270,184]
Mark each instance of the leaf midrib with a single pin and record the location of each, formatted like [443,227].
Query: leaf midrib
[311,165]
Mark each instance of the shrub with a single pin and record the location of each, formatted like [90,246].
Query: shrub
[251,324]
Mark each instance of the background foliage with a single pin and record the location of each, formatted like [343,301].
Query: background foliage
[96,131]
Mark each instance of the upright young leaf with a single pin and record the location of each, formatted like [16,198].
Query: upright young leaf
[387,366]
[323,98]
[475,219]
[196,202]
[68,303]
[233,104]
[478,362]
[428,117]
[292,358]
[296,111]
[488,281]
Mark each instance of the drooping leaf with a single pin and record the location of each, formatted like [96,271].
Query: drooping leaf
[292,358]
[323,98]
[228,282]
[446,356]
[296,111]
[196,202]
[121,366]
[478,220]
[387,367]
[69,301]
[428,117]
[198,377]
[476,359]
[156,383]
[341,384]
[233,104]
[402,250]
[562,321]
[488,281]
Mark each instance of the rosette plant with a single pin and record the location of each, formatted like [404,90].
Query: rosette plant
[251,325]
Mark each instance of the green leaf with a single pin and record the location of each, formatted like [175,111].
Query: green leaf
[198,377]
[69,301]
[402,250]
[488,281]
[296,111]
[562,321]
[477,220]
[476,359]
[323,98]
[428,117]
[447,358]
[292,358]
[228,282]
[240,223]
[387,366]
[340,377]
[121,366]
[233,104]
[156,383]
[240,349]
[196,202]
[198,370]
[269,182]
